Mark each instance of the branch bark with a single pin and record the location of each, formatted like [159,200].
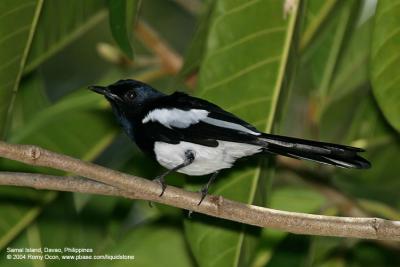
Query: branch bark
[110,182]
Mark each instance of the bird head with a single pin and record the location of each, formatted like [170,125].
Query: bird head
[127,95]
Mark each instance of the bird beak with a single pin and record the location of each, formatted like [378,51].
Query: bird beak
[98,89]
[104,91]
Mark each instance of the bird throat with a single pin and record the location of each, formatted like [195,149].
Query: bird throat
[123,120]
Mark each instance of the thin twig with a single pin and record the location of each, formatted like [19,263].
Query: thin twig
[139,188]
[170,60]
[194,6]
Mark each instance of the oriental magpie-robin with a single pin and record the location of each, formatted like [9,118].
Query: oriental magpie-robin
[195,137]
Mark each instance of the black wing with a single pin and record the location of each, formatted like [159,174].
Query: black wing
[217,125]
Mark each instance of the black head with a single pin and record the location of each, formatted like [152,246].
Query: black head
[127,94]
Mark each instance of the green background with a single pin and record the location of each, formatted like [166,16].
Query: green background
[325,70]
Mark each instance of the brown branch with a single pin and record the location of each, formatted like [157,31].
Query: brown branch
[194,6]
[59,183]
[139,188]
[170,60]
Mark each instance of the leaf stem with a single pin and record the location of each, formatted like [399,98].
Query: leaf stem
[171,61]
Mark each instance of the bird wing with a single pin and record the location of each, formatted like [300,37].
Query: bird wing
[180,117]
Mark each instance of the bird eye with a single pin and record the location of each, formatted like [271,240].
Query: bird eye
[130,95]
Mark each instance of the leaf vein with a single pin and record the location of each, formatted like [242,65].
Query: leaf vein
[10,62]
[221,255]
[18,8]
[246,38]
[14,33]
[386,65]
[241,73]
[247,103]
[239,8]
[387,9]
[387,39]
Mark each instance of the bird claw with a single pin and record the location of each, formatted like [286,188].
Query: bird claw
[161,181]
[203,192]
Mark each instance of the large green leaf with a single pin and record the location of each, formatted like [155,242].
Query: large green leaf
[61,226]
[316,14]
[320,64]
[243,71]
[30,100]
[71,126]
[15,217]
[79,125]
[348,85]
[63,127]
[327,51]
[17,24]
[151,245]
[382,145]
[386,60]
[122,13]
[60,23]
[197,47]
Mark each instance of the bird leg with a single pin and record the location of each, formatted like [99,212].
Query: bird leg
[204,189]
[189,158]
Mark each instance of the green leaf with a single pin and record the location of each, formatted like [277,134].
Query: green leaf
[122,13]
[317,12]
[16,216]
[385,63]
[60,126]
[292,251]
[331,24]
[327,51]
[151,245]
[197,47]
[349,84]
[296,199]
[60,23]
[17,24]
[350,77]
[30,100]
[73,126]
[245,63]
[61,226]
[369,129]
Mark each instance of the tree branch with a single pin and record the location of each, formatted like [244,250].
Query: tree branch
[171,61]
[110,182]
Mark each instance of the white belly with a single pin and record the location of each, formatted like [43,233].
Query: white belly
[206,159]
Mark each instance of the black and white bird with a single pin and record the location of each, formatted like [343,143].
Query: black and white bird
[195,137]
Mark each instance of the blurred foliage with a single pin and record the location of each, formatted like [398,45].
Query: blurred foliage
[121,14]
[326,71]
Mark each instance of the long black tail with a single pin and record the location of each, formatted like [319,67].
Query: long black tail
[327,153]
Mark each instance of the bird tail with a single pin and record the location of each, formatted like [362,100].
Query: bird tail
[327,153]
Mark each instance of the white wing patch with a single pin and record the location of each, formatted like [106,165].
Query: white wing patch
[176,117]
[229,125]
[184,118]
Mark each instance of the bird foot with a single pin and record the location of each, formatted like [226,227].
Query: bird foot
[160,179]
[203,192]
